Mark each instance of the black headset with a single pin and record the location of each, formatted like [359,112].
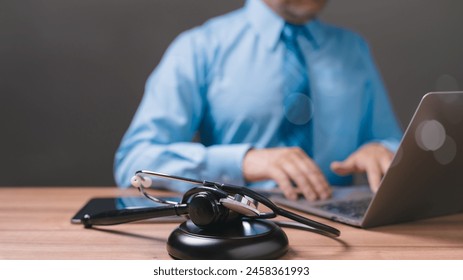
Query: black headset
[209,205]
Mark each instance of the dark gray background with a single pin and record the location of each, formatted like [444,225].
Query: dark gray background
[72,72]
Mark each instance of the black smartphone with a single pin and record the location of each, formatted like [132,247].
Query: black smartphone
[102,204]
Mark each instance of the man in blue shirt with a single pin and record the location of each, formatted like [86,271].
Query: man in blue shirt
[277,98]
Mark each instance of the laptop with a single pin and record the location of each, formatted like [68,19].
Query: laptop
[424,180]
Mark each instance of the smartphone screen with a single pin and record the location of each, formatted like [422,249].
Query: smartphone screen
[102,204]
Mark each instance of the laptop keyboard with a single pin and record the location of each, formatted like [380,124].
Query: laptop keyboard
[354,208]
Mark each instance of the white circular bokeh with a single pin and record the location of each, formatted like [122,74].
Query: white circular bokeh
[446,82]
[445,154]
[298,108]
[430,135]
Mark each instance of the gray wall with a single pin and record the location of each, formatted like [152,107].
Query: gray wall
[72,72]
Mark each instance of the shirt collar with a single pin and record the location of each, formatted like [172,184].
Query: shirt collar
[269,25]
[315,32]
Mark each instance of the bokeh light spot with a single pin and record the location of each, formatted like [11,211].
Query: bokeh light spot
[446,82]
[445,154]
[430,135]
[298,108]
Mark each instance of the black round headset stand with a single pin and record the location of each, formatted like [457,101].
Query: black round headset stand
[246,239]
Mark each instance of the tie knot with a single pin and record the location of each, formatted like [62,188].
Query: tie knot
[289,37]
[291,31]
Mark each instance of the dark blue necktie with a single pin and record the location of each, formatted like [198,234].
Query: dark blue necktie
[297,126]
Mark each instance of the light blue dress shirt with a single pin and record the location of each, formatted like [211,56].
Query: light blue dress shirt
[224,81]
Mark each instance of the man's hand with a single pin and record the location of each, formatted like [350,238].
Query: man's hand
[290,168]
[373,158]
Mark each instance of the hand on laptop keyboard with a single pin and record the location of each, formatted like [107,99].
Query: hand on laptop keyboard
[291,168]
[373,158]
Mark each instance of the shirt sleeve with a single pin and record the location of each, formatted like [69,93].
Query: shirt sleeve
[160,137]
[381,123]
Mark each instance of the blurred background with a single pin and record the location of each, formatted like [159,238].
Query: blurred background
[73,72]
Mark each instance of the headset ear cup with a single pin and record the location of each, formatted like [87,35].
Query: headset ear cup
[205,211]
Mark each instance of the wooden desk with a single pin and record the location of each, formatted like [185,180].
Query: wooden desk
[35,224]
